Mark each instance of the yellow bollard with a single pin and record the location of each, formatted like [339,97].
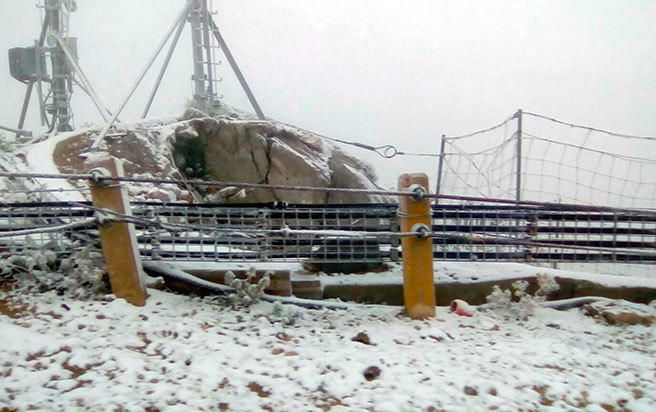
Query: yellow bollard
[118,239]
[418,283]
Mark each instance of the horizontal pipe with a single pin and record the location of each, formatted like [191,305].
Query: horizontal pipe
[18,132]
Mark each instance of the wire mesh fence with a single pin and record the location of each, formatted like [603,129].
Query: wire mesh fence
[265,233]
[534,157]
[339,233]
[542,234]
[58,228]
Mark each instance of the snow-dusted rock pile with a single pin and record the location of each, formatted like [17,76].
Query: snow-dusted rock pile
[227,147]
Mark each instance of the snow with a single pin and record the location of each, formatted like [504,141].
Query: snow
[293,267]
[23,341]
[40,160]
[183,353]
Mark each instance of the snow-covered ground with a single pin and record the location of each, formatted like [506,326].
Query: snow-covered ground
[183,353]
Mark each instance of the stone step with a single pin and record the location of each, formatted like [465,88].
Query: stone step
[307,286]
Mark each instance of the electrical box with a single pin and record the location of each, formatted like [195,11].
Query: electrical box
[24,66]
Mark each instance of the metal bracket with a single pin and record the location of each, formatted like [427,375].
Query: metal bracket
[421,231]
[100,176]
[418,192]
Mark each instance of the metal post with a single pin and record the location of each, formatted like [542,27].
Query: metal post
[41,70]
[60,95]
[200,93]
[118,239]
[167,59]
[87,87]
[518,185]
[235,68]
[30,86]
[26,104]
[39,86]
[18,132]
[38,50]
[418,281]
[440,164]
[205,17]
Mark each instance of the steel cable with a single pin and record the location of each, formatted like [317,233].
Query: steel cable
[200,182]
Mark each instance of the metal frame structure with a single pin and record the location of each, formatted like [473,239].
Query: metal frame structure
[199,16]
[64,71]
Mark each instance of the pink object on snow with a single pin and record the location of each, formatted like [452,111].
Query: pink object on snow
[461,308]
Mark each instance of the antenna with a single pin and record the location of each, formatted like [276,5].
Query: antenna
[62,79]
[206,40]
[52,60]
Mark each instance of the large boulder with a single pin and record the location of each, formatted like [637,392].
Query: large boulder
[229,148]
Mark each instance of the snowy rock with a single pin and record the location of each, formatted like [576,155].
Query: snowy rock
[371,373]
[229,147]
[270,153]
[621,312]
[362,338]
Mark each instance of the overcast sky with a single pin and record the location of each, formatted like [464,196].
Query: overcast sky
[382,72]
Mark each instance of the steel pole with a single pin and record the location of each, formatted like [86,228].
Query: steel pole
[205,17]
[518,183]
[200,92]
[30,86]
[104,112]
[39,88]
[235,68]
[440,164]
[160,76]
[60,95]
[26,104]
[18,132]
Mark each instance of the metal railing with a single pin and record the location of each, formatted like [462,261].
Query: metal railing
[339,233]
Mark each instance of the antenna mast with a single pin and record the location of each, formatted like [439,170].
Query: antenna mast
[29,65]
[204,49]
[62,77]
[206,40]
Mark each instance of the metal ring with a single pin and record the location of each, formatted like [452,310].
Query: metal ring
[418,192]
[387,151]
[421,231]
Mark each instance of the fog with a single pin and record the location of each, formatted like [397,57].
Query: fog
[379,72]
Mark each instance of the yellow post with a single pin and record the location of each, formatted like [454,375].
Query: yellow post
[415,216]
[118,239]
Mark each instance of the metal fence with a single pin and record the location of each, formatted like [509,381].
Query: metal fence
[534,157]
[60,228]
[339,233]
